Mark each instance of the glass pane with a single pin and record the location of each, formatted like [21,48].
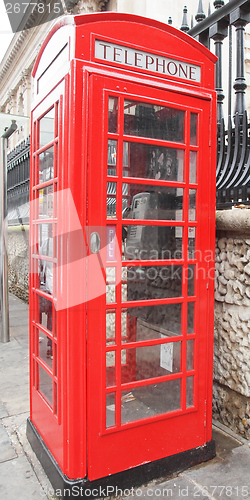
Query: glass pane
[190,392]
[193,129]
[152,202]
[193,167]
[152,322]
[150,400]
[125,327]
[45,313]
[113,110]
[190,317]
[192,204]
[45,200]
[46,165]
[190,354]
[45,239]
[111,199]
[110,368]
[55,405]
[191,279]
[110,327]
[111,243]
[45,348]
[152,242]
[151,282]
[110,284]
[152,162]
[149,120]
[45,385]
[110,409]
[46,276]
[191,243]
[112,152]
[46,128]
[151,361]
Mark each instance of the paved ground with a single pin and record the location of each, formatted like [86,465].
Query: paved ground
[225,477]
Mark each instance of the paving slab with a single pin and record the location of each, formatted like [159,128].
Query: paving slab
[227,478]
[7,451]
[3,411]
[19,482]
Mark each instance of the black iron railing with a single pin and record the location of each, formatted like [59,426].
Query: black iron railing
[233,140]
[18,180]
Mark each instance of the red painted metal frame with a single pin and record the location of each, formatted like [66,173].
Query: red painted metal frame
[76,434]
[164,434]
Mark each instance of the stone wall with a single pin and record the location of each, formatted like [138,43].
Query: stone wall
[18,261]
[232,321]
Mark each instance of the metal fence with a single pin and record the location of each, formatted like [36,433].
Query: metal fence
[18,181]
[233,153]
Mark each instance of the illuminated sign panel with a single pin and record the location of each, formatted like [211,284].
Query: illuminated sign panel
[134,58]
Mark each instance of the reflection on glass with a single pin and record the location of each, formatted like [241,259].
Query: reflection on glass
[152,202]
[151,361]
[150,400]
[45,200]
[153,162]
[46,276]
[149,120]
[55,402]
[45,313]
[153,322]
[110,327]
[190,354]
[110,410]
[110,368]
[110,284]
[112,155]
[45,348]
[190,392]
[191,243]
[193,167]
[45,239]
[151,282]
[190,317]
[125,328]
[45,385]
[113,110]
[193,129]
[46,165]
[46,128]
[152,242]
[191,279]
[192,205]
[111,199]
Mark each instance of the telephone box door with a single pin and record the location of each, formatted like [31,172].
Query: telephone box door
[150,218]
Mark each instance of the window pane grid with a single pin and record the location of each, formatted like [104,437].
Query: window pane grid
[121,342]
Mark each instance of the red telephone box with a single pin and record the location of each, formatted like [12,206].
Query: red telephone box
[122,251]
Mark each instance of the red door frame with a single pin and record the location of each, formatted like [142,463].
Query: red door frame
[115,449]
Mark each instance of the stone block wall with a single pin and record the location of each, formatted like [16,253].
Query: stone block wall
[231,404]
[18,261]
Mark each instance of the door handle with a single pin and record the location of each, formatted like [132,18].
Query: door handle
[95,242]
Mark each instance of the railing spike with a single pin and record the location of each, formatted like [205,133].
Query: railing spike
[200,13]
[192,21]
[218,4]
[170,20]
[209,10]
[184,26]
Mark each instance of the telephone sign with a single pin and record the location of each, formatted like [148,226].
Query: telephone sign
[122,223]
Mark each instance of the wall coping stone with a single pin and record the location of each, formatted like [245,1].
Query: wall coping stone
[237,220]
